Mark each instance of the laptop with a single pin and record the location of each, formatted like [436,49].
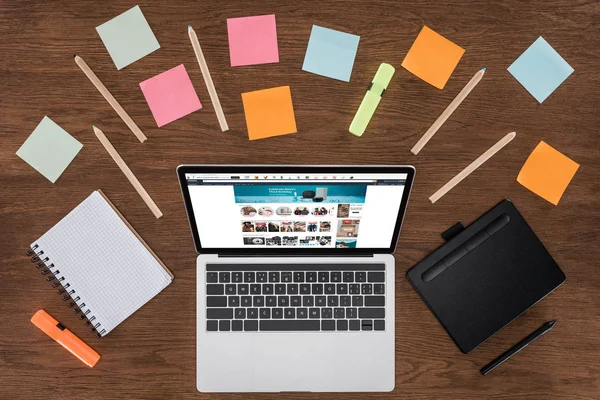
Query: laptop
[295,275]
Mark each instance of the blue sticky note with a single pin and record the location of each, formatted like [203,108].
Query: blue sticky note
[540,69]
[49,149]
[330,53]
[128,37]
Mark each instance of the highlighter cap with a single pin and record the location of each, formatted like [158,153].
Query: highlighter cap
[47,324]
[384,75]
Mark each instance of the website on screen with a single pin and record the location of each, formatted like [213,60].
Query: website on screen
[303,211]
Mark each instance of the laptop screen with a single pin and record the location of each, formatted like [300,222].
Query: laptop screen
[299,210]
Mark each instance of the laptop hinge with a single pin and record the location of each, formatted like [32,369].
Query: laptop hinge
[271,255]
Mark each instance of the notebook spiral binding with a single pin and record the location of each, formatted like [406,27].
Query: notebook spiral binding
[44,264]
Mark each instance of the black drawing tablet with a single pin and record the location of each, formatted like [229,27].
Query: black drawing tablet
[485,276]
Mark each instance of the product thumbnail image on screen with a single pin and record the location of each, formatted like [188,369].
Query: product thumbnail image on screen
[301,211]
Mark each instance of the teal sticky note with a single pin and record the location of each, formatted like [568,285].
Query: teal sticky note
[330,53]
[540,69]
[49,149]
[128,37]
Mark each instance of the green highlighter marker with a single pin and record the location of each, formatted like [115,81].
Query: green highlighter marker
[372,98]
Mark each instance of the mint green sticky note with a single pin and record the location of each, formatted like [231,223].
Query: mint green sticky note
[330,53]
[540,69]
[49,149]
[128,37]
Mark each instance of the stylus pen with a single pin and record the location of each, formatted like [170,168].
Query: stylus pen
[532,337]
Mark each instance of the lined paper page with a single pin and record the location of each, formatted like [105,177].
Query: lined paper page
[103,261]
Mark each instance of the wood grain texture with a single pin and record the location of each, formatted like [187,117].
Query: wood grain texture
[152,354]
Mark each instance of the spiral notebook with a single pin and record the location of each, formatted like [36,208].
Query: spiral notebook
[99,264]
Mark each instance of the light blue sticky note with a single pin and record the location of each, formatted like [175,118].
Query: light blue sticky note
[49,149]
[128,37]
[330,53]
[540,69]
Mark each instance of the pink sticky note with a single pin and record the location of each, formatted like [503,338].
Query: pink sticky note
[170,95]
[252,40]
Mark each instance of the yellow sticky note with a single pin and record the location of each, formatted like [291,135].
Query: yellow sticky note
[269,112]
[547,172]
[432,57]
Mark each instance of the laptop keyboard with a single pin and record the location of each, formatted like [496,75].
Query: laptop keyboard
[295,297]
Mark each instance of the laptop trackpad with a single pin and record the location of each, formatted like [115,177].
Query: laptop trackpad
[336,361]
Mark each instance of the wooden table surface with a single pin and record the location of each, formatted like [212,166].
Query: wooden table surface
[152,354]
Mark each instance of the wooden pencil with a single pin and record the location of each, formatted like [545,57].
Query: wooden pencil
[110,98]
[447,112]
[472,167]
[130,176]
[212,92]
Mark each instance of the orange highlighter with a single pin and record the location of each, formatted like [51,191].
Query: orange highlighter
[65,338]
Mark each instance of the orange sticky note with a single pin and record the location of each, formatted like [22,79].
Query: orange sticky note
[547,172]
[269,112]
[432,58]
